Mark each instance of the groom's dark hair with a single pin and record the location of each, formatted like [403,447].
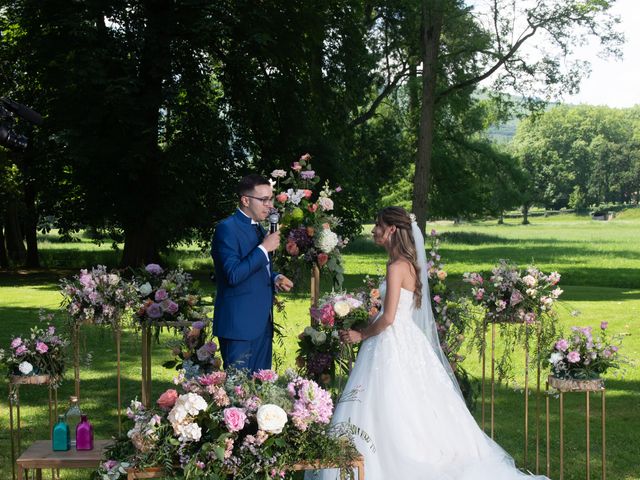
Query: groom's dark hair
[249,182]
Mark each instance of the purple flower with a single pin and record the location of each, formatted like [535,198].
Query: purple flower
[21,350]
[573,357]
[307,174]
[604,325]
[51,330]
[562,345]
[338,189]
[154,310]
[41,347]
[154,269]
[171,307]
[199,325]
[161,295]
[16,342]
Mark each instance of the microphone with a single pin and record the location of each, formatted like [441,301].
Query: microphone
[22,111]
[274,219]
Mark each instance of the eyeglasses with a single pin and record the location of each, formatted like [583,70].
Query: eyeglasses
[264,200]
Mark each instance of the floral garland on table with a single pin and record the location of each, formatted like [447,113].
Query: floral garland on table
[518,297]
[583,356]
[97,296]
[452,314]
[307,227]
[320,350]
[41,352]
[166,296]
[232,425]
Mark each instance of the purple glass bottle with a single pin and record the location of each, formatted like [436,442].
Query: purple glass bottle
[84,434]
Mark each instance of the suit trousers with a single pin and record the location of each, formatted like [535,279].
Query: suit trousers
[251,355]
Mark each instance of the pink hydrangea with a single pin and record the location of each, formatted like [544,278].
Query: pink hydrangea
[215,378]
[234,418]
[562,345]
[311,404]
[154,269]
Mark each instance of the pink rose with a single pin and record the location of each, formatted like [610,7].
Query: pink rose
[282,197]
[16,342]
[437,298]
[41,347]
[516,297]
[323,258]
[573,357]
[161,295]
[234,419]
[296,166]
[306,157]
[307,193]
[168,399]
[292,249]
[338,189]
[313,207]
[21,350]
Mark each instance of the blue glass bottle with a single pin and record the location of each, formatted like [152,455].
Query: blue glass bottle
[60,438]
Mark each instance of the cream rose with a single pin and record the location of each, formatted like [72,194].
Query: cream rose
[271,418]
[342,308]
[145,289]
[318,338]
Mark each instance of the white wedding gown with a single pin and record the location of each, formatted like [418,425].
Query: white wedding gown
[419,426]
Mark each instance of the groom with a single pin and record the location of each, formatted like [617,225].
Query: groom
[243,316]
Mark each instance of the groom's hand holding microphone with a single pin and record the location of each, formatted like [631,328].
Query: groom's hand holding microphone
[271,243]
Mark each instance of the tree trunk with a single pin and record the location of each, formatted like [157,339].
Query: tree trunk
[139,246]
[432,17]
[31,225]
[4,259]
[525,214]
[13,234]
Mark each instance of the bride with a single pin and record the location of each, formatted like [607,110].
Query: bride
[409,403]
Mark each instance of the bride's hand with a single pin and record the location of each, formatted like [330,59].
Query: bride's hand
[350,336]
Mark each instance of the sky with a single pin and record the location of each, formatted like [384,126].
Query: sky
[613,82]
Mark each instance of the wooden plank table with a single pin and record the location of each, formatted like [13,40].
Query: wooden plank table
[40,455]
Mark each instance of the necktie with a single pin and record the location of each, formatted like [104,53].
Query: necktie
[259,232]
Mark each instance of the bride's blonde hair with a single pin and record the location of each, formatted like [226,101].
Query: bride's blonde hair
[401,242]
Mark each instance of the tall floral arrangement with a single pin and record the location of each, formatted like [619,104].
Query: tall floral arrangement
[308,223]
[195,353]
[97,296]
[320,350]
[166,296]
[41,352]
[583,355]
[452,313]
[232,425]
[525,298]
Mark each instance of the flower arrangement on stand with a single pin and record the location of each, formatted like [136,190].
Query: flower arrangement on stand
[194,354]
[321,354]
[452,314]
[583,356]
[511,296]
[41,352]
[231,425]
[307,224]
[167,297]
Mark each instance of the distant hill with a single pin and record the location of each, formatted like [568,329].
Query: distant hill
[503,133]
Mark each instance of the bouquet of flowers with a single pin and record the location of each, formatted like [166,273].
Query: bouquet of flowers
[97,296]
[583,356]
[307,224]
[514,296]
[167,296]
[319,346]
[195,355]
[232,425]
[39,353]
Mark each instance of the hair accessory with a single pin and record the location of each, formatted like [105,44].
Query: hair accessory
[412,217]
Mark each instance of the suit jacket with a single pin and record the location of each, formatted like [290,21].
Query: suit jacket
[244,297]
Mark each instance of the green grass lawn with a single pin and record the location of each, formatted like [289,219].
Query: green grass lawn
[599,262]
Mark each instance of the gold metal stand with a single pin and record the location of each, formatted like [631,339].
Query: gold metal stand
[315,285]
[526,387]
[14,401]
[587,386]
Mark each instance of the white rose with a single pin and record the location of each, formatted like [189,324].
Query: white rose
[325,203]
[342,308]
[113,279]
[555,357]
[319,338]
[145,289]
[529,281]
[25,368]
[271,418]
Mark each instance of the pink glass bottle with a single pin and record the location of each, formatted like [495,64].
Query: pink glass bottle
[84,434]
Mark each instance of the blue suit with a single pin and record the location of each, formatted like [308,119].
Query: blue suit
[244,299]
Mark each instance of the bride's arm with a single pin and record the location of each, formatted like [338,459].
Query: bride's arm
[395,273]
